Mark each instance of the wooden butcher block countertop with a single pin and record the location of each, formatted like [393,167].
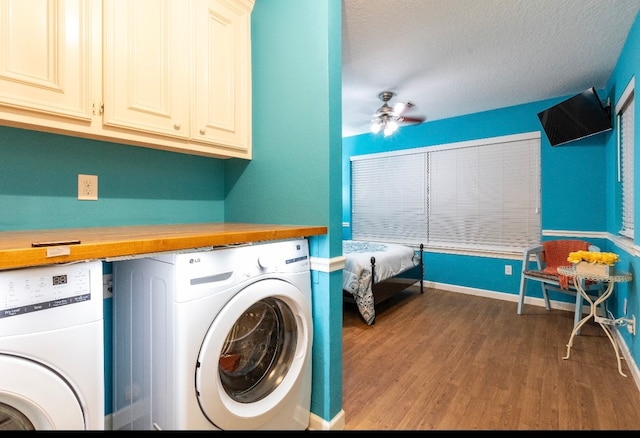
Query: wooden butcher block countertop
[17,250]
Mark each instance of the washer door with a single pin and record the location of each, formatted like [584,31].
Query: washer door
[33,397]
[254,355]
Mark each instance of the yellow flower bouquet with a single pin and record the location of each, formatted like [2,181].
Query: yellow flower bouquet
[594,262]
[593,257]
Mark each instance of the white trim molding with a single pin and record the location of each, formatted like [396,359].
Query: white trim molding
[327,265]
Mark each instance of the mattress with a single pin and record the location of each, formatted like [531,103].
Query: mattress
[391,260]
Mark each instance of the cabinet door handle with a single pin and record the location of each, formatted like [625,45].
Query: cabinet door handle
[98,108]
[177,126]
[202,131]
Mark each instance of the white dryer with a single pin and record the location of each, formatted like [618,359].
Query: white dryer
[216,339]
[51,348]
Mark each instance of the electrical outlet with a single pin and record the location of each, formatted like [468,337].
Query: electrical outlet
[507,270]
[87,187]
[107,286]
[631,325]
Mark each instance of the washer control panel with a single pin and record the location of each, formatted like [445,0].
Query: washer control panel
[31,290]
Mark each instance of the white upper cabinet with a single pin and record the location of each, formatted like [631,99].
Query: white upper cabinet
[164,74]
[49,59]
[222,72]
[146,66]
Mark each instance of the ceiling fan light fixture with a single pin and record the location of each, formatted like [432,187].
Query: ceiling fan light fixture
[386,119]
[390,128]
[386,124]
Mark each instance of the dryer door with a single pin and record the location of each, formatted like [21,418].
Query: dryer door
[254,357]
[33,397]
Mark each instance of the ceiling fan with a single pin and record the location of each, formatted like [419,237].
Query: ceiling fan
[387,119]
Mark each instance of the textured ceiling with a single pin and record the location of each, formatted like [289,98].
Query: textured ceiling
[456,57]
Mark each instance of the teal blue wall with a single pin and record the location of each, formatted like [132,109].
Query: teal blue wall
[295,174]
[39,183]
[627,67]
[579,187]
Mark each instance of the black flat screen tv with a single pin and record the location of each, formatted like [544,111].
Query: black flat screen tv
[578,117]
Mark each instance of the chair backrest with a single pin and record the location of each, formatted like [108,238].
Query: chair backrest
[555,252]
[549,262]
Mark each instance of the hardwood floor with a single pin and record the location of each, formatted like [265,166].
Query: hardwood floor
[450,361]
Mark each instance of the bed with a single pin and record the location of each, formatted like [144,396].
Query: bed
[392,267]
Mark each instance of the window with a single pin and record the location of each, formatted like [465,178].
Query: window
[477,195]
[389,198]
[624,112]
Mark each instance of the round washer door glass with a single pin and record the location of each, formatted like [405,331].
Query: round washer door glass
[254,354]
[258,351]
[13,419]
[36,398]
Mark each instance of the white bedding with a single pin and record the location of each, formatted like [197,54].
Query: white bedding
[391,259]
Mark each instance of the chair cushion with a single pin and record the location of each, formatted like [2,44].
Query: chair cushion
[542,274]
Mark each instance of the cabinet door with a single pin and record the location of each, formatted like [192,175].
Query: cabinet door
[222,60]
[48,64]
[146,55]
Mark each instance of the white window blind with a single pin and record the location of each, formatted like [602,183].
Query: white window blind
[482,195]
[485,197]
[626,127]
[388,198]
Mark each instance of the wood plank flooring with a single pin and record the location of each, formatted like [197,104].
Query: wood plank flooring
[449,361]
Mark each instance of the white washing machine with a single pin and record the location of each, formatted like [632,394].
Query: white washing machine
[51,348]
[217,339]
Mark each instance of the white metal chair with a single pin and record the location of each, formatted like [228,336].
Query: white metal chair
[548,256]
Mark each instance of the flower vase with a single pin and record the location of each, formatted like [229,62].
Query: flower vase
[594,268]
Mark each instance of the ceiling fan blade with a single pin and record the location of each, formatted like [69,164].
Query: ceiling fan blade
[405,119]
[386,114]
[401,107]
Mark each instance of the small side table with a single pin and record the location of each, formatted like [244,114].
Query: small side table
[610,280]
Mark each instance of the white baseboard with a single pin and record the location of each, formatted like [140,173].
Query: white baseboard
[318,423]
[633,367]
[108,422]
[315,422]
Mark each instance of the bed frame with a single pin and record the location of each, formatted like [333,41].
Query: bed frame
[385,289]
